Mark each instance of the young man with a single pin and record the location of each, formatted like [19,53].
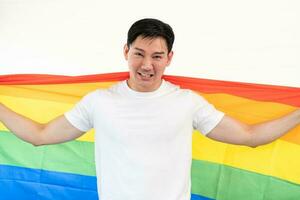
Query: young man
[144,125]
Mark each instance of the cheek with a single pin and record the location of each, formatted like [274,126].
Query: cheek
[133,63]
[160,67]
[159,70]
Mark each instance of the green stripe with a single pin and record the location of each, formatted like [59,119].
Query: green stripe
[72,157]
[227,183]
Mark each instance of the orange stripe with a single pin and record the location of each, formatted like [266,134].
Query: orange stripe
[253,112]
[279,94]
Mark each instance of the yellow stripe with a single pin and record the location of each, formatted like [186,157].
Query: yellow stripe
[279,159]
[286,161]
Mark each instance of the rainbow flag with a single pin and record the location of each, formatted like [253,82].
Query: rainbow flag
[219,171]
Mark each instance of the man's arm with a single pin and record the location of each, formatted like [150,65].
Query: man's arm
[56,131]
[232,131]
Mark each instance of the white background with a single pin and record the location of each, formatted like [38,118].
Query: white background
[238,40]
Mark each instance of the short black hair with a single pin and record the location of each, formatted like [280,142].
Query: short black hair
[151,28]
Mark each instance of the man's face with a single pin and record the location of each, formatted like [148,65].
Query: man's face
[147,59]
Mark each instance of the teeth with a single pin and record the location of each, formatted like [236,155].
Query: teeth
[145,75]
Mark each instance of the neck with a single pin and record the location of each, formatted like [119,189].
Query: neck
[143,88]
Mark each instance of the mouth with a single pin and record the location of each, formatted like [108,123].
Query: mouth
[145,75]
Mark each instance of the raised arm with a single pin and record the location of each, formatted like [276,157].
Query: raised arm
[232,131]
[56,131]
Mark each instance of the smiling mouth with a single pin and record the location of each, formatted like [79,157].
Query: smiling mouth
[145,75]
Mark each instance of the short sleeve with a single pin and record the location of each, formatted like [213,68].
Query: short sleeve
[81,115]
[206,116]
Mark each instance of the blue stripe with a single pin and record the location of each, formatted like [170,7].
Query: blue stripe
[36,184]
[198,197]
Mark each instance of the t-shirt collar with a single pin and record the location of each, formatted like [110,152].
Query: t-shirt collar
[133,93]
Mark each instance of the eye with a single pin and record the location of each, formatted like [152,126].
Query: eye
[138,54]
[157,57]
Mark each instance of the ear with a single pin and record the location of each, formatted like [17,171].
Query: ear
[125,51]
[170,56]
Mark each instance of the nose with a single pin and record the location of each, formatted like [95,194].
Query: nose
[147,64]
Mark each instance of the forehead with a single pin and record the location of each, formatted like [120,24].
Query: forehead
[149,43]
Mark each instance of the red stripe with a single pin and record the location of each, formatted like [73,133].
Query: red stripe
[260,92]
[40,79]
[280,94]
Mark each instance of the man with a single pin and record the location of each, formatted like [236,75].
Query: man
[144,124]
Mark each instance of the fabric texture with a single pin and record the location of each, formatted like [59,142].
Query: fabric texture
[143,141]
[219,171]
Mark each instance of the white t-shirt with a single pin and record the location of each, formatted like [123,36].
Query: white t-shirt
[143,140]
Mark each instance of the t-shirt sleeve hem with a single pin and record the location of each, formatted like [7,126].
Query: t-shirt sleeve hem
[72,121]
[216,120]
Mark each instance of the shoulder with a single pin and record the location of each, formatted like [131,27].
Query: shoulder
[93,94]
[98,93]
[168,86]
[187,93]
[103,95]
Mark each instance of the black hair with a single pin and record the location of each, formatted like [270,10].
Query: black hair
[151,28]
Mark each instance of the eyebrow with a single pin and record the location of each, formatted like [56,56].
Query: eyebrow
[142,50]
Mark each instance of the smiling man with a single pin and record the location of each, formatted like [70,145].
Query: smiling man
[148,55]
[143,140]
